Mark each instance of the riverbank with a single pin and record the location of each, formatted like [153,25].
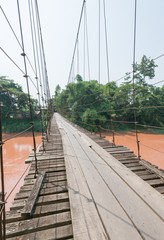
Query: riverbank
[10,125]
[151,145]
[15,151]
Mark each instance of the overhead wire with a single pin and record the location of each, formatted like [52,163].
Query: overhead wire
[129,73]
[106,40]
[78,56]
[37,52]
[87,41]
[33,46]
[99,40]
[11,60]
[77,37]
[28,88]
[14,33]
[84,42]
[41,53]
[8,90]
[16,135]
[7,55]
[42,47]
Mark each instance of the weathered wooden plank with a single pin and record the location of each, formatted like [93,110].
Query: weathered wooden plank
[109,146]
[46,158]
[45,210]
[51,162]
[54,198]
[156,182]
[54,166]
[55,179]
[42,200]
[26,188]
[37,224]
[145,172]
[138,168]
[49,170]
[54,184]
[117,149]
[29,182]
[152,168]
[86,222]
[50,149]
[127,152]
[129,161]
[149,177]
[59,233]
[54,190]
[134,164]
[146,192]
[18,204]
[122,158]
[130,200]
[52,174]
[160,189]
[27,211]
[43,191]
[40,211]
[101,196]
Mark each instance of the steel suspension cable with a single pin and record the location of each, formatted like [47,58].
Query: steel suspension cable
[108,72]
[40,53]
[11,60]
[77,37]
[2,207]
[87,39]
[7,55]
[34,53]
[37,52]
[132,71]
[78,56]
[134,56]
[16,37]
[28,89]
[99,41]
[44,58]
[106,40]
[84,42]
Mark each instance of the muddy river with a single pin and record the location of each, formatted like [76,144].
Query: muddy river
[15,151]
[151,145]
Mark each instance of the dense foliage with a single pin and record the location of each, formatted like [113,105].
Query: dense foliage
[91,104]
[15,109]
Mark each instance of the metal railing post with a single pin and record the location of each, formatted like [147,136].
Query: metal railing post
[100,128]
[2,208]
[113,139]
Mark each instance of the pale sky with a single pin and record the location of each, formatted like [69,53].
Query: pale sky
[59,19]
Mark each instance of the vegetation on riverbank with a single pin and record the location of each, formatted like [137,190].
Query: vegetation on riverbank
[15,108]
[91,105]
[19,125]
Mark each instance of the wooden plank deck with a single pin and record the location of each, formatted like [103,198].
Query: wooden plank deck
[123,205]
[91,190]
[41,209]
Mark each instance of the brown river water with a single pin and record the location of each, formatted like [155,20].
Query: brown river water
[151,145]
[15,151]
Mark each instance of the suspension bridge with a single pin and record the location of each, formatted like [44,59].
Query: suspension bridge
[79,185]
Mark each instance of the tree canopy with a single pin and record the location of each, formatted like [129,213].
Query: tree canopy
[90,103]
[13,98]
